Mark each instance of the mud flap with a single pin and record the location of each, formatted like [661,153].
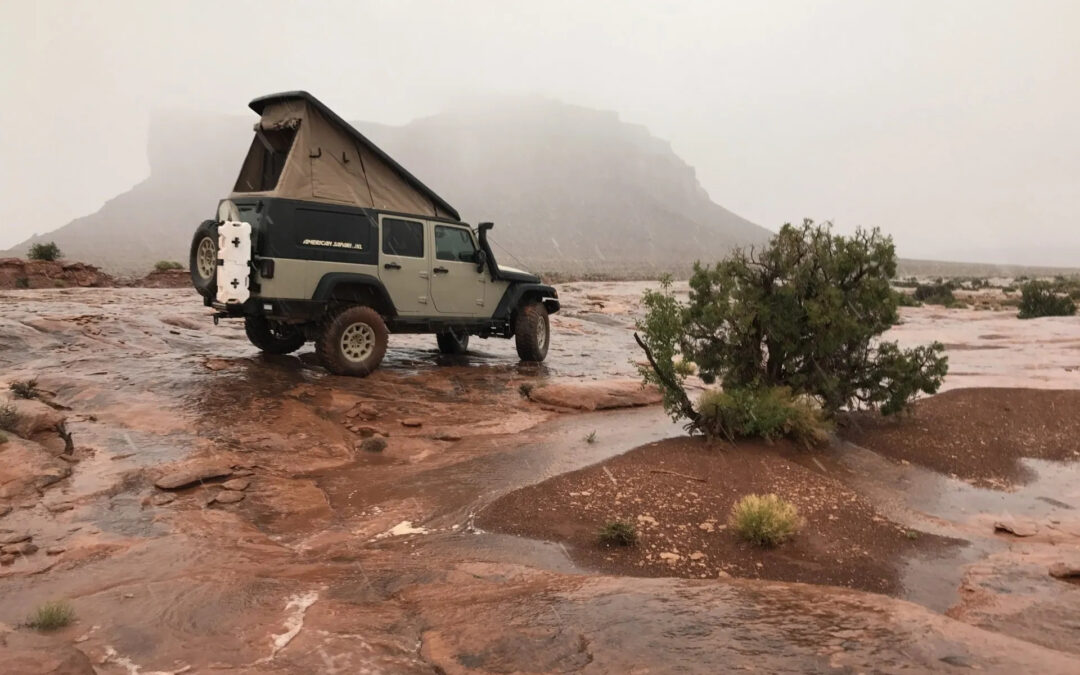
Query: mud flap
[234,262]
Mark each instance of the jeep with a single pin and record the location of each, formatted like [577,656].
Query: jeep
[327,239]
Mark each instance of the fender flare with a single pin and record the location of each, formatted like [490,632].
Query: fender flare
[332,280]
[516,292]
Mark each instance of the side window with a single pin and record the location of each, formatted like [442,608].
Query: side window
[403,237]
[454,243]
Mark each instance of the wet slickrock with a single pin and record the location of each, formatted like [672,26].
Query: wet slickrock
[26,468]
[28,654]
[194,473]
[346,561]
[596,395]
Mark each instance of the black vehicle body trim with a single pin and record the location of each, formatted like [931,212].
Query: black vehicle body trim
[515,293]
[324,291]
[259,104]
[306,230]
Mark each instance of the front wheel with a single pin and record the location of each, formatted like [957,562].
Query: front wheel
[273,337]
[452,343]
[353,342]
[532,332]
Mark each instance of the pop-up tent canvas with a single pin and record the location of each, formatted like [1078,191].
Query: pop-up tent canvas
[303,150]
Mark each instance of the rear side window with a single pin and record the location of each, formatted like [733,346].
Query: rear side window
[454,243]
[327,229]
[403,237]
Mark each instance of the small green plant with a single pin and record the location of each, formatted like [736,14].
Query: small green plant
[51,616]
[3,438]
[617,533]
[525,389]
[49,251]
[1040,298]
[911,534]
[166,265]
[25,388]
[22,282]
[768,413]
[591,438]
[765,520]
[9,418]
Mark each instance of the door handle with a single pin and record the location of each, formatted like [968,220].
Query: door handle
[440,270]
[392,266]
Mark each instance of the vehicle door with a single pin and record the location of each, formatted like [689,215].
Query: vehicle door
[457,288]
[404,263]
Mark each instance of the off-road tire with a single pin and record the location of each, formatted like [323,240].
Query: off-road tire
[353,342]
[273,338]
[203,259]
[532,332]
[449,343]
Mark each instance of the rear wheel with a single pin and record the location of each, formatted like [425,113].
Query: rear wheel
[531,332]
[451,342]
[273,337]
[202,262]
[353,342]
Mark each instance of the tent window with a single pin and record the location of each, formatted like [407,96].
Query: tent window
[403,237]
[265,160]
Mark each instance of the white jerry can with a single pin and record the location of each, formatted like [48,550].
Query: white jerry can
[234,256]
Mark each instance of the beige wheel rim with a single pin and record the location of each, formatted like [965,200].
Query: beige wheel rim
[206,258]
[358,342]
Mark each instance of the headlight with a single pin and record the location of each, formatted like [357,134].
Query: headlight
[227,211]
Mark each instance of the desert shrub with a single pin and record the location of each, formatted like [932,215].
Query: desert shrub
[805,312]
[9,418]
[1039,298]
[935,294]
[768,413]
[765,520]
[3,438]
[617,533]
[51,615]
[25,388]
[525,389]
[591,437]
[22,282]
[166,265]
[906,300]
[49,251]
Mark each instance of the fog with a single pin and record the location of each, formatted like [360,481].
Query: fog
[954,126]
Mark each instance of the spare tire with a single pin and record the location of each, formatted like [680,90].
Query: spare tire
[202,263]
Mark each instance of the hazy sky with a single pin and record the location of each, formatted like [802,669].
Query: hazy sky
[954,125]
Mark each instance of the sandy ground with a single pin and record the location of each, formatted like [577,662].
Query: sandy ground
[338,559]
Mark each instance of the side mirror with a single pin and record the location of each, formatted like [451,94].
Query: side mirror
[481,260]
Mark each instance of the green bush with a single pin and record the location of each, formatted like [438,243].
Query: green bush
[805,312]
[51,615]
[25,388]
[1040,298]
[763,413]
[22,282]
[617,533]
[765,520]
[935,294]
[8,417]
[166,265]
[906,300]
[49,251]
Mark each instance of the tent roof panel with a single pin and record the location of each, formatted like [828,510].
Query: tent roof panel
[259,104]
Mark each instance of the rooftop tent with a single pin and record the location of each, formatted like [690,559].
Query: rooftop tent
[303,150]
